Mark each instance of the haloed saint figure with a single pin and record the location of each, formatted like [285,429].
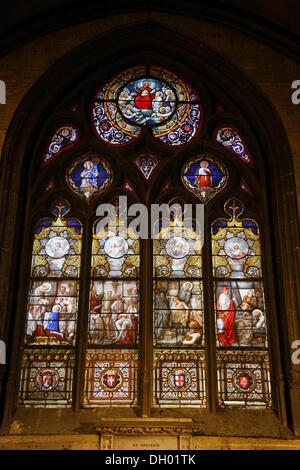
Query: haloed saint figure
[147,101]
[90,175]
[204,177]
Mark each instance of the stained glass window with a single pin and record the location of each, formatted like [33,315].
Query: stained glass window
[52,310]
[112,355]
[46,378]
[204,177]
[231,139]
[178,318]
[198,295]
[146,163]
[240,312]
[89,176]
[63,138]
[146,95]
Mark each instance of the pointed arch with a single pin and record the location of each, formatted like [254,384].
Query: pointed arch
[277,201]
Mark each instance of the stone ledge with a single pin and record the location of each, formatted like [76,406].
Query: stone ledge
[244,443]
[49,442]
[142,442]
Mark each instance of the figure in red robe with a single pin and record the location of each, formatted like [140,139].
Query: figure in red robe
[226,313]
[145,96]
[204,175]
[96,302]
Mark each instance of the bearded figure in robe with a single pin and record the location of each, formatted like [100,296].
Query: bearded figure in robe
[41,305]
[226,308]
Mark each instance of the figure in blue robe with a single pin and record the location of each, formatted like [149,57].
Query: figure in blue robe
[53,319]
[89,175]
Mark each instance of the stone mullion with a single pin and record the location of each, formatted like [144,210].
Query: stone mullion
[146,330]
[82,319]
[209,318]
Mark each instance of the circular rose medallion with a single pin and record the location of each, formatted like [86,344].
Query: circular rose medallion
[57,247]
[236,248]
[116,247]
[47,379]
[177,247]
[147,101]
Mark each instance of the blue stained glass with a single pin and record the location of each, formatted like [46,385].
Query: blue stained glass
[216,173]
[63,138]
[219,224]
[74,223]
[107,129]
[234,207]
[229,137]
[204,177]
[60,208]
[134,98]
[147,101]
[184,131]
[43,223]
[96,177]
[89,175]
[251,224]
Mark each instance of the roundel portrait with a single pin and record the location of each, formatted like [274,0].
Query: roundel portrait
[204,176]
[89,175]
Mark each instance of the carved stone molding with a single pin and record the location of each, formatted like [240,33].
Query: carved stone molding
[145,430]
[146,434]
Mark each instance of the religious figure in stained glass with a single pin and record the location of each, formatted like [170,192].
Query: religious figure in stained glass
[52,313]
[204,177]
[52,303]
[52,310]
[89,175]
[147,101]
[115,251]
[240,310]
[240,314]
[57,246]
[178,313]
[114,310]
[146,95]
[177,249]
